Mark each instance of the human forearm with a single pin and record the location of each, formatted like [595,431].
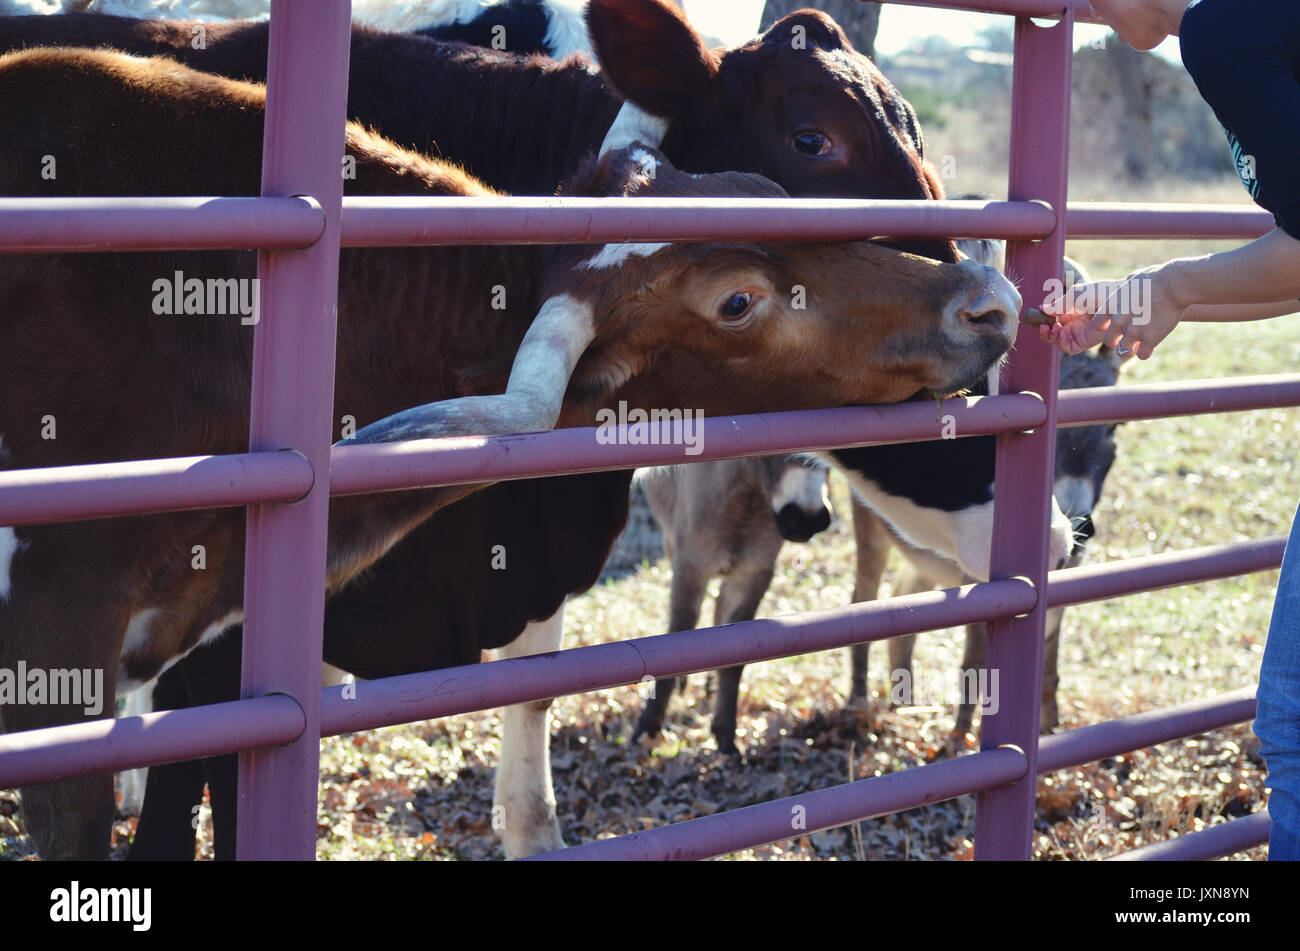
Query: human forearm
[1231,313]
[1265,271]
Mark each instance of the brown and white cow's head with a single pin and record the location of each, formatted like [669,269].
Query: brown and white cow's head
[727,327]
[798,105]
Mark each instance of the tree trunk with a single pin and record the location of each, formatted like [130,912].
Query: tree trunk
[1134,83]
[859,19]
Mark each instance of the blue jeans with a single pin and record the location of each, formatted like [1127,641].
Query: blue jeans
[1277,719]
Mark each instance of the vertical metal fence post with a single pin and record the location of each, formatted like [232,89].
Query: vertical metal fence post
[293,388]
[1040,128]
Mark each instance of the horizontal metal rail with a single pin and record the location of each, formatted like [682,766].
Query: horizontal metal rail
[795,816]
[452,691]
[105,746]
[457,690]
[401,221]
[1236,835]
[1041,9]
[388,466]
[1088,744]
[1103,219]
[1166,570]
[45,225]
[70,493]
[30,496]
[1114,404]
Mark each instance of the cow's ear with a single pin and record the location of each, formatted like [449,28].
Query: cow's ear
[651,55]
[807,28]
[933,183]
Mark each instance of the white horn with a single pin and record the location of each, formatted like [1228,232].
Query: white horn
[634,124]
[534,394]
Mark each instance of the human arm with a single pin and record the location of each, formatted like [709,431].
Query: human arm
[1258,280]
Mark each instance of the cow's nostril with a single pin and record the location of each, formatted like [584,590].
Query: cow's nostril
[992,318]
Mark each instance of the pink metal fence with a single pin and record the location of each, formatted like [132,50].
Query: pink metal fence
[276,728]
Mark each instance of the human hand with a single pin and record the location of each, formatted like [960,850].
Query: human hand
[1132,316]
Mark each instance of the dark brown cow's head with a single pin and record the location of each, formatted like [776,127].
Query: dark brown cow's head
[798,105]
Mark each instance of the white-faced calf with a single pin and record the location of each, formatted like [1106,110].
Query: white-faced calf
[728,518]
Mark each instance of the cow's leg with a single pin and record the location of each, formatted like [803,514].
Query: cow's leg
[72,818]
[972,662]
[873,546]
[523,807]
[165,831]
[738,599]
[131,782]
[685,597]
[1050,715]
[910,581]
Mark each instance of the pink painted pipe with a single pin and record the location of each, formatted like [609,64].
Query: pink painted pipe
[41,495]
[1103,219]
[1215,842]
[106,746]
[1045,9]
[44,225]
[69,493]
[399,221]
[1166,570]
[1115,737]
[387,466]
[1112,404]
[500,683]
[810,812]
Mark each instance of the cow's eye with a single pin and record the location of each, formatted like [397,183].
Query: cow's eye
[811,143]
[736,306]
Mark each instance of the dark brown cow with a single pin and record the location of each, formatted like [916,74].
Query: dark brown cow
[708,327]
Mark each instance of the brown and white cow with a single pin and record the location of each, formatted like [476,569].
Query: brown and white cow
[707,326]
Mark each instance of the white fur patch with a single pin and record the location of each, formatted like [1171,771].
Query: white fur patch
[567,33]
[613,255]
[137,635]
[524,797]
[220,626]
[649,164]
[131,782]
[136,639]
[804,487]
[137,632]
[965,536]
[10,545]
